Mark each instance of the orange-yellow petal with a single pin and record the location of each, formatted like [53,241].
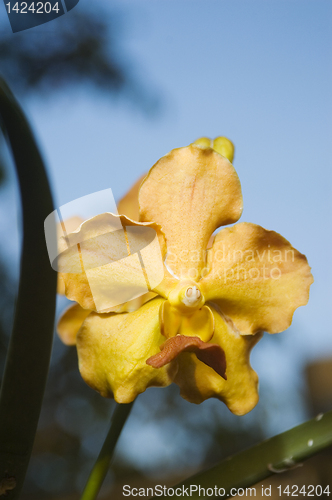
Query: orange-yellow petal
[113,349]
[110,260]
[70,322]
[190,192]
[257,278]
[128,205]
[198,382]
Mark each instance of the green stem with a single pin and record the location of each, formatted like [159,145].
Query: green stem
[277,454]
[103,461]
[30,344]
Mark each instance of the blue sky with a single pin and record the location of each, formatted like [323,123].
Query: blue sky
[257,71]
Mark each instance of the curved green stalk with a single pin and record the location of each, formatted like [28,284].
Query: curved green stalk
[103,461]
[274,455]
[30,344]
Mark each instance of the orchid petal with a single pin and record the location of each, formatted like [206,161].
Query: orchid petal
[70,322]
[113,349]
[190,192]
[72,319]
[257,278]
[198,382]
[101,262]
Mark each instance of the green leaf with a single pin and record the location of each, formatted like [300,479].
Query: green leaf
[30,345]
[277,454]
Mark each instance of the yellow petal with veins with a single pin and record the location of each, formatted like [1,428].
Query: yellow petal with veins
[113,349]
[190,192]
[257,278]
[198,382]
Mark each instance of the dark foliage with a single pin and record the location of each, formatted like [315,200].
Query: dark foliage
[78,48]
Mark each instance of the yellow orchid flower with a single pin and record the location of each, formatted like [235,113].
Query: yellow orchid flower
[216,298]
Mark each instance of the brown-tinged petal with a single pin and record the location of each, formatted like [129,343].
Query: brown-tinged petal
[210,354]
[190,192]
[198,382]
[113,349]
[128,205]
[110,260]
[70,322]
[257,278]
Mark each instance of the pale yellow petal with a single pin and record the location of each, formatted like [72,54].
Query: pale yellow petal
[110,260]
[190,192]
[128,205]
[70,322]
[198,382]
[113,349]
[257,278]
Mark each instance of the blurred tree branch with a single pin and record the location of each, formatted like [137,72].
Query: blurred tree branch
[77,48]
